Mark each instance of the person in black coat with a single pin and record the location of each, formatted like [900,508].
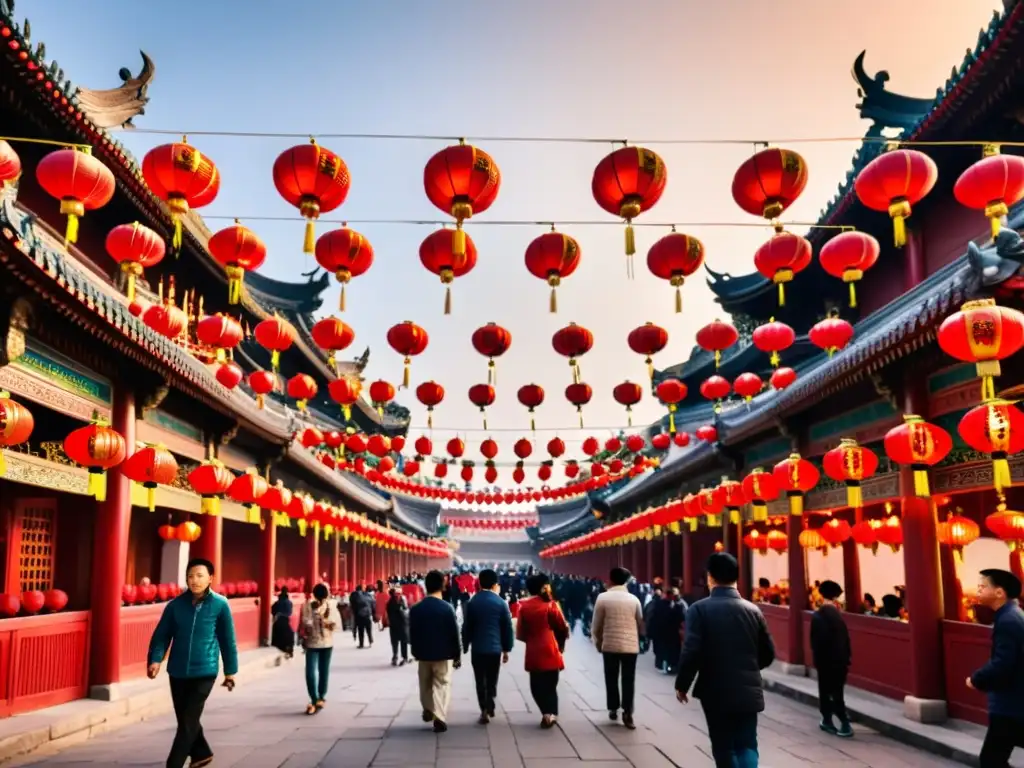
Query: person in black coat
[727,645]
[364,609]
[830,647]
[398,627]
[1002,678]
[282,636]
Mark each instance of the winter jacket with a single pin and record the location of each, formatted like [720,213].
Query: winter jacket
[199,634]
[830,639]
[397,617]
[312,626]
[434,631]
[618,622]
[363,606]
[1002,678]
[540,626]
[487,625]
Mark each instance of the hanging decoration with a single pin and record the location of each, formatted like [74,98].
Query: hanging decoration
[183,177]
[747,386]
[1007,525]
[715,388]
[262,383]
[850,464]
[681,439]
[782,378]
[345,391]
[239,250]
[835,531]
[220,332]
[662,441]
[248,489]
[890,532]
[768,182]
[430,394]
[80,181]
[164,317]
[461,181]
[456,448]
[626,183]
[482,396]
[553,257]
[671,392]
[919,445]
[811,538]
[345,254]
[313,179]
[332,335]
[711,502]
[995,427]
[579,394]
[782,258]
[573,342]
[760,487]
[229,374]
[437,253]
[302,388]
[96,447]
[135,248]
[957,532]
[895,181]
[648,340]
[491,341]
[674,258]
[773,337]
[796,476]
[993,185]
[10,165]
[556,447]
[707,433]
[16,425]
[381,394]
[408,340]
[531,396]
[151,466]
[276,335]
[848,256]
[311,437]
[628,394]
[831,334]
[983,333]
[865,534]
[378,445]
[736,498]
[188,532]
[717,336]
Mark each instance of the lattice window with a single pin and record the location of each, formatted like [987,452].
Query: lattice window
[35,545]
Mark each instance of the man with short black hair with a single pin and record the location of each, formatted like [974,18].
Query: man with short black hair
[1002,678]
[197,628]
[617,629]
[434,636]
[727,645]
[487,628]
[830,648]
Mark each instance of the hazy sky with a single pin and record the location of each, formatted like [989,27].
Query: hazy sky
[662,69]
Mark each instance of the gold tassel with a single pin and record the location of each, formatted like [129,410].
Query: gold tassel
[796,504]
[97,487]
[210,505]
[252,514]
[275,360]
[775,359]
[760,511]
[458,240]
[782,294]
[854,495]
[629,417]
[1000,472]
[151,496]
[734,516]
[341,300]
[130,289]
[692,522]
[380,411]
[853,295]
[533,424]
[988,388]
[921,483]
[176,238]
[3,464]
[553,301]
[405,374]
[718,358]
[309,242]
[259,402]
[650,368]
[346,411]
[71,233]
[899,210]
[430,420]
[679,301]
[448,300]
[485,420]
[714,521]
[302,527]
[630,239]
[580,411]
[234,284]
[300,404]
[671,419]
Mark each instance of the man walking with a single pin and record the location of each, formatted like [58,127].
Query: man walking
[364,609]
[487,629]
[727,645]
[617,629]
[198,629]
[830,647]
[434,635]
[1002,678]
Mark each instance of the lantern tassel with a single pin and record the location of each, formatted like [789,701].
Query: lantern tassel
[71,233]
[252,514]
[300,404]
[899,210]
[796,503]
[853,295]
[405,374]
[921,483]
[988,388]
[854,494]
[671,419]
[302,527]
[448,300]
[533,424]
[775,359]
[485,420]
[309,241]
[760,511]
[553,301]
[782,294]
[492,373]
[714,521]
[679,300]
[580,411]
[1000,472]
[275,360]
[629,417]
[210,505]
[130,287]
[734,516]
[97,487]
[346,411]
[692,523]
[630,240]
[3,464]
[176,238]
[234,284]
[341,299]
[718,358]
[151,496]
[459,240]
[650,368]
[430,420]
[259,402]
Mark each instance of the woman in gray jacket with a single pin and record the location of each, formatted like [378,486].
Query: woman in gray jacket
[317,624]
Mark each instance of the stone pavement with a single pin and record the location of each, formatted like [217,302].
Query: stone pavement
[373,719]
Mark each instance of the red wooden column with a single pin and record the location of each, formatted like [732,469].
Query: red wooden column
[952,590]
[312,558]
[851,571]
[797,592]
[268,556]
[336,559]
[743,559]
[686,541]
[210,543]
[110,560]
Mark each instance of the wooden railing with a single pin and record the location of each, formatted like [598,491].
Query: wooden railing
[777,617]
[44,661]
[965,648]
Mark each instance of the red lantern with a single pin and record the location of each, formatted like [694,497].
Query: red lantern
[96,447]
[992,185]
[276,335]
[346,254]
[80,181]
[356,443]
[707,433]
[262,383]
[188,532]
[850,463]
[314,180]
[796,476]
[222,332]
[572,342]
[210,480]
[135,248]
[671,392]
[409,340]
[32,601]
[572,469]
[437,253]
[674,258]
[248,490]
[166,532]
[302,388]
[735,498]
[848,256]
[920,445]
[756,541]
[311,437]
[777,541]
[151,466]
[381,393]
[648,339]
[531,396]
[628,182]
[556,447]
[238,250]
[165,319]
[831,334]
[895,181]
[482,396]
[747,385]
[635,443]
[523,448]
[410,467]
[773,337]
[983,333]
[466,473]
[995,427]
[491,341]
[890,532]
[430,394]
[865,533]
[835,531]
[345,391]
[628,394]
[456,448]
[16,424]
[461,180]
[590,446]
[332,335]
[769,182]
[715,388]
[441,471]
[782,378]
[682,439]
[553,257]
[181,176]
[10,164]
[956,532]
[661,441]
[760,487]
[229,374]
[812,539]
[579,394]
[490,476]
[543,474]
[716,337]
[1008,525]
[782,258]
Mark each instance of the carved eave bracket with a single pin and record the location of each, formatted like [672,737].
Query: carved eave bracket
[117,107]
[997,266]
[885,108]
[16,319]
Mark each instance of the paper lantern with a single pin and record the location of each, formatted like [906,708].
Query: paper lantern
[332,335]
[461,180]
[531,396]
[183,177]
[408,340]
[628,394]
[995,427]
[671,392]
[647,340]
[438,254]
[773,337]
[717,336]
[276,335]
[238,250]
[760,487]
[674,258]
[956,532]
[894,182]
[553,257]
[151,466]
[302,388]
[96,447]
[782,377]
[795,476]
[262,383]
[992,185]
[573,342]
[890,532]
[188,532]
[748,385]
[313,179]
[381,393]
[1008,525]
[850,463]
[80,181]
[769,181]
[983,333]
[345,391]
[579,394]
[848,256]
[482,396]
[229,374]
[782,258]
[628,182]
[134,247]
[211,480]
[16,425]
[831,334]
[919,445]
[716,388]
[345,254]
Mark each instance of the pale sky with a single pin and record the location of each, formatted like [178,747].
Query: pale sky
[664,69]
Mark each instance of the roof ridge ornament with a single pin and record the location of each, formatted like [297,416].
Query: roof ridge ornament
[117,107]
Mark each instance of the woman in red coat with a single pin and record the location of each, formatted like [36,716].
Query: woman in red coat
[543,628]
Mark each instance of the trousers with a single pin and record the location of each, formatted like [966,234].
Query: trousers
[189,696]
[399,641]
[436,688]
[364,627]
[486,668]
[1003,734]
[544,687]
[318,671]
[614,663]
[733,738]
[831,682]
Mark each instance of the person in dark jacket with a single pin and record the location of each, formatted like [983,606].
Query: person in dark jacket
[1002,678]
[727,645]
[434,632]
[282,636]
[198,629]
[830,647]
[487,628]
[397,613]
[364,609]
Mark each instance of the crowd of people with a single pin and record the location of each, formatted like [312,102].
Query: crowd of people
[716,647]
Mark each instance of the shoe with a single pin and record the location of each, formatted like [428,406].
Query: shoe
[428,716]
[321,703]
[201,763]
[484,718]
[547,722]
[403,662]
[440,726]
[827,726]
[311,709]
[613,714]
[394,662]
[627,720]
[844,730]
[490,713]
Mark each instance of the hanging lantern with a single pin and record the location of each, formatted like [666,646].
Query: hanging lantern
[662,441]
[10,165]
[188,532]
[773,337]
[489,449]
[682,439]
[332,335]
[648,340]
[381,393]
[865,533]
[1007,524]
[812,539]
[768,182]
[276,335]
[782,258]
[919,445]
[572,469]
[735,499]
[356,443]
[302,388]
[543,474]
[482,396]
[430,394]
[409,340]
[134,247]
[613,445]
[894,181]
[995,427]
[167,532]
[626,183]
[760,487]
[572,342]
[850,463]
[522,448]
[553,257]
[311,437]
[628,394]
[491,341]
[221,332]
[579,394]
[16,424]
[983,333]
[716,337]
[238,250]
[590,446]
[96,447]
[748,385]
[456,448]
[835,531]
[151,466]
[211,480]
[314,180]
[345,391]
[956,532]
[796,476]
[556,447]
[992,185]
[674,258]
[715,388]
[277,498]
[831,334]
[345,254]
[165,319]
[80,181]
[711,502]
[782,378]
[229,374]
[437,253]
[848,256]
[531,396]
[262,383]
[379,445]
[461,180]
[671,392]
[707,433]
[777,541]
[890,533]
[183,177]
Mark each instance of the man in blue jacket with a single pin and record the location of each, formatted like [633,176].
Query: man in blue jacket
[434,637]
[198,629]
[487,627]
[1002,678]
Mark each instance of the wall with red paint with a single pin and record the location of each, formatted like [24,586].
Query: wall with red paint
[947,230]
[291,554]
[240,552]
